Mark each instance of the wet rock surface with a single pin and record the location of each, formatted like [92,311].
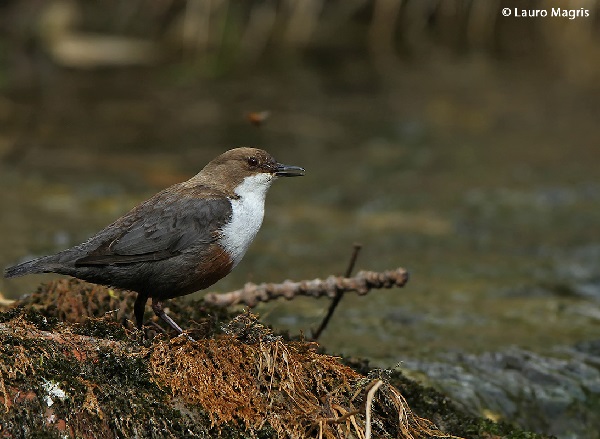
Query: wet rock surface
[557,394]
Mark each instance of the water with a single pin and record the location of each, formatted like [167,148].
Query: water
[483,182]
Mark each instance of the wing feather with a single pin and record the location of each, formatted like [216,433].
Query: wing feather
[160,228]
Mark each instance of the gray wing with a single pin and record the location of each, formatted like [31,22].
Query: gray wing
[159,229]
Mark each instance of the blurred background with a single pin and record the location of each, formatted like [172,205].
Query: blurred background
[446,138]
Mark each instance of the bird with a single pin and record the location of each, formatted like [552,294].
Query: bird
[183,239]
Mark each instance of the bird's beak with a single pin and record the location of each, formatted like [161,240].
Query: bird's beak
[288,171]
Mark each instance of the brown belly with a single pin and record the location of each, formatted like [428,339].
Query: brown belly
[214,265]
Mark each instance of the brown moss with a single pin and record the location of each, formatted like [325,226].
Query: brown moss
[297,391]
[74,301]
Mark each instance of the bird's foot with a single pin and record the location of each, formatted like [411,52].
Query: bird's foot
[157,307]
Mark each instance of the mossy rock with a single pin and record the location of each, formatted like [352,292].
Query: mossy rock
[69,367]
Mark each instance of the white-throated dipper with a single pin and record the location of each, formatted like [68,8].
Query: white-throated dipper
[181,240]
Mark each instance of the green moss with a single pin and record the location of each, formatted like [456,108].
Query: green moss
[37,318]
[102,328]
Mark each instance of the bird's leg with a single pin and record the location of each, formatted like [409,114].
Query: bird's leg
[157,307]
[138,309]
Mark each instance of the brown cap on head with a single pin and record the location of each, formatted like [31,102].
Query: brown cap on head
[230,168]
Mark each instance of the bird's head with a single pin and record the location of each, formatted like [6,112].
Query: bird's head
[251,167]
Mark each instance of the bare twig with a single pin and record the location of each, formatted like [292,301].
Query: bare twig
[357,246]
[362,283]
[339,294]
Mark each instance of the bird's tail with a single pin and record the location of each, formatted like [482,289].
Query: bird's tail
[38,265]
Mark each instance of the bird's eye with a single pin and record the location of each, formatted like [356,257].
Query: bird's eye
[252,161]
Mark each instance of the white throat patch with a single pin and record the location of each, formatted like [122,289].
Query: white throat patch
[246,216]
